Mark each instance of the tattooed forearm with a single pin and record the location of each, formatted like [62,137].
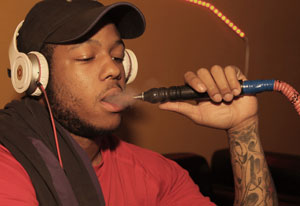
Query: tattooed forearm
[253,181]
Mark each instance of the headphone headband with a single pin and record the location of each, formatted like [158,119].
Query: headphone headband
[29,69]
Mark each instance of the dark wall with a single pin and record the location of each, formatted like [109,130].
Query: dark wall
[181,36]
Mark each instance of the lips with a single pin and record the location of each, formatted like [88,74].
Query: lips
[110,100]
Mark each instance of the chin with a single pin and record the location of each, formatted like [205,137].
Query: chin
[107,123]
[111,125]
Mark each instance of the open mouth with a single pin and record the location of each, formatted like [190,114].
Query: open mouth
[116,99]
[111,107]
[111,101]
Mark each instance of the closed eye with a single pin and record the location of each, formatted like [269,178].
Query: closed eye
[118,60]
[85,59]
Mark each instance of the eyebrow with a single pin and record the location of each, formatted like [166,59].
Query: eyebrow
[93,41]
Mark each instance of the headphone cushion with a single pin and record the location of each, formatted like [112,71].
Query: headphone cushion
[130,64]
[40,72]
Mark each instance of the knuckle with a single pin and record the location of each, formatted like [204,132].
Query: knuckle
[212,89]
[233,68]
[224,90]
[188,74]
[215,68]
[201,71]
[191,78]
[230,68]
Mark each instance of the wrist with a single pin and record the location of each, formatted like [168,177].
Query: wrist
[244,124]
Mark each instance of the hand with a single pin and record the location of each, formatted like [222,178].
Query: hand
[224,111]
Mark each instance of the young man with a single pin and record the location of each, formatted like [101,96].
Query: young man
[87,165]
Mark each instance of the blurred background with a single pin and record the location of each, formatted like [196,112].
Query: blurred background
[182,36]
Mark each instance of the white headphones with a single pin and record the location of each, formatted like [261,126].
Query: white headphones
[29,69]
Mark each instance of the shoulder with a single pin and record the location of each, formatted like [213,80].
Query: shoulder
[16,187]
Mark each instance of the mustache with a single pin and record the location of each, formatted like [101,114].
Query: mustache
[101,95]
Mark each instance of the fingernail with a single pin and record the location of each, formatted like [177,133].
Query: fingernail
[217,97]
[235,92]
[201,87]
[228,97]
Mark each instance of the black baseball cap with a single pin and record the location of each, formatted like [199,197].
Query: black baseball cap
[64,21]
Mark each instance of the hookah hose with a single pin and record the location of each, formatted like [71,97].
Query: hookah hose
[288,91]
[185,92]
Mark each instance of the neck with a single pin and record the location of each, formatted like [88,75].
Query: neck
[91,147]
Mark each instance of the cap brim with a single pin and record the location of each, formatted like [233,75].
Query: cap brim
[128,19]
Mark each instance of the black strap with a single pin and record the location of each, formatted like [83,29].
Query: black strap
[25,130]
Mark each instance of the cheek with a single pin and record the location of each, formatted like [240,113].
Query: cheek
[75,80]
[67,87]
[72,83]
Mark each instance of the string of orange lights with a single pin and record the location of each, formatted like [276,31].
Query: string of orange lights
[230,24]
[219,14]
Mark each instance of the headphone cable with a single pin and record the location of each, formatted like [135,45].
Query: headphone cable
[52,122]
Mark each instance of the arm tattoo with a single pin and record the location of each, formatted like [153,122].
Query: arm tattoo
[253,182]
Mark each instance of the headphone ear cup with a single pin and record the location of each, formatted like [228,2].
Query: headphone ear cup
[130,64]
[27,70]
[40,73]
[21,69]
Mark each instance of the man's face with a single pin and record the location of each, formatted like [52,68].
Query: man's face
[82,77]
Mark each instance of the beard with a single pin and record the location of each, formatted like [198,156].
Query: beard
[69,118]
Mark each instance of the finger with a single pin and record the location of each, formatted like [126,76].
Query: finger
[193,80]
[208,81]
[222,83]
[239,74]
[182,108]
[231,73]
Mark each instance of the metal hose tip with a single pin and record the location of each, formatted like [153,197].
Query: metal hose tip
[140,96]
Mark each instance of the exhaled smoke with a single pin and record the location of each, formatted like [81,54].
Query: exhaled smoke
[123,99]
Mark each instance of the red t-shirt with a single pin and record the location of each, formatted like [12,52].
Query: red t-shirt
[129,175]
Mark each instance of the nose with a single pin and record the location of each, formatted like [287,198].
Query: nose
[111,70]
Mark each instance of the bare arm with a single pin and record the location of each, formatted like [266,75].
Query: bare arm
[238,116]
[253,181]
